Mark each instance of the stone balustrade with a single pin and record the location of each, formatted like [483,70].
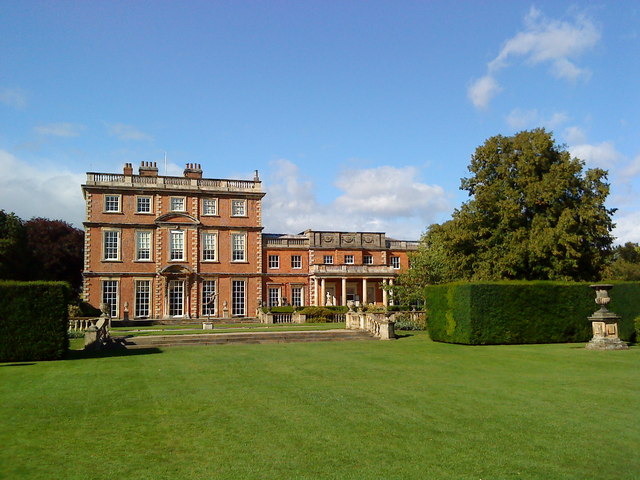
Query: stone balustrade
[164,182]
[378,324]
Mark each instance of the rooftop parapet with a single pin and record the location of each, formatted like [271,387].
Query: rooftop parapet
[115,180]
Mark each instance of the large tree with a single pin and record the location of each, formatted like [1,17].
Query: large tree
[534,213]
[56,250]
[14,255]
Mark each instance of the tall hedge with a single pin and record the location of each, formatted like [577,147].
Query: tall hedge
[523,312]
[33,320]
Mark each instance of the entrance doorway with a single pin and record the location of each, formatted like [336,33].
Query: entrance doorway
[176,298]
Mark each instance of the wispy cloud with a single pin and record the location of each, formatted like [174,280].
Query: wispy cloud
[60,129]
[521,119]
[13,97]
[385,199]
[32,190]
[127,132]
[602,155]
[542,41]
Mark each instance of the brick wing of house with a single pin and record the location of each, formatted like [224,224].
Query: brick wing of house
[186,247]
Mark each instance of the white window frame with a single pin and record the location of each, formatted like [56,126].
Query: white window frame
[238,308]
[235,252]
[108,204]
[115,289]
[173,235]
[209,255]
[349,259]
[172,207]
[140,300]
[241,204]
[296,261]
[183,289]
[118,245]
[205,308]
[144,197]
[367,260]
[139,234]
[214,202]
[274,261]
[293,297]
[328,259]
[274,296]
[395,263]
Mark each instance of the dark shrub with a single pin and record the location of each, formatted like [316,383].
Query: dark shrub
[33,320]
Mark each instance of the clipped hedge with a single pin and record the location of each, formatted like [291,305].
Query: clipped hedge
[523,312]
[33,320]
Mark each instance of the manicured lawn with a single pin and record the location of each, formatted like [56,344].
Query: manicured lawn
[221,328]
[407,409]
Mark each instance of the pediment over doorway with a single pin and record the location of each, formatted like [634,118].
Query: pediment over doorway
[175,218]
[176,270]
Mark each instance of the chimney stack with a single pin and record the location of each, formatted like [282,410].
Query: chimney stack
[148,169]
[193,170]
[128,169]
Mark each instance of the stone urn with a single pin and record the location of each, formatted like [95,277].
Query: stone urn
[604,322]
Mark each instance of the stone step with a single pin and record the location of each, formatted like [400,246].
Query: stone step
[154,341]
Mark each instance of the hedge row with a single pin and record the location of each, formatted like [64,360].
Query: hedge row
[33,320]
[523,312]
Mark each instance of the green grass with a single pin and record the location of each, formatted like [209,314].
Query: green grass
[407,409]
[221,328]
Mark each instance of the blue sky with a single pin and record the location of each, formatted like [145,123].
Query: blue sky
[358,115]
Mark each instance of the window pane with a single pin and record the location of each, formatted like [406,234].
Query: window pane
[143,245]
[274,261]
[238,242]
[296,296]
[237,298]
[143,297]
[209,206]
[208,246]
[144,205]
[209,297]
[111,247]
[112,203]
[177,204]
[177,246]
[296,261]
[274,297]
[238,208]
[110,296]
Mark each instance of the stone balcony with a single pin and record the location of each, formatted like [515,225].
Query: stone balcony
[115,180]
[347,270]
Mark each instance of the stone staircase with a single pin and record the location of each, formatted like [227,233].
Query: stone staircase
[159,341]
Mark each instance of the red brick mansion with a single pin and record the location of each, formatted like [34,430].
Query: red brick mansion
[186,247]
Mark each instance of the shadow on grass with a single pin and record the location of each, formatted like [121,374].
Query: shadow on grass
[17,364]
[115,352]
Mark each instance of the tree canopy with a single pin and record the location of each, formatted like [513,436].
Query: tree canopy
[534,214]
[40,249]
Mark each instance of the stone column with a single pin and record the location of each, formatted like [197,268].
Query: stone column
[364,291]
[384,293]
[344,291]
[393,302]
[315,292]
[323,293]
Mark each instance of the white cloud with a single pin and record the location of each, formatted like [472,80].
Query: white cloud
[633,169]
[60,129]
[482,91]
[627,228]
[40,191]
[521,119]
[127,132]
[384,199]
[575,135]
[543,41]
[602,155]
[13,97]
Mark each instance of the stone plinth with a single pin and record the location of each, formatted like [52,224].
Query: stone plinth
[604,323]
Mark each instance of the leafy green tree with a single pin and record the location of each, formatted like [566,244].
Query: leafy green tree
[626,263]
[14,255]
[534,214]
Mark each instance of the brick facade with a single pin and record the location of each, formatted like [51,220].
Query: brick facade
[187,247]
